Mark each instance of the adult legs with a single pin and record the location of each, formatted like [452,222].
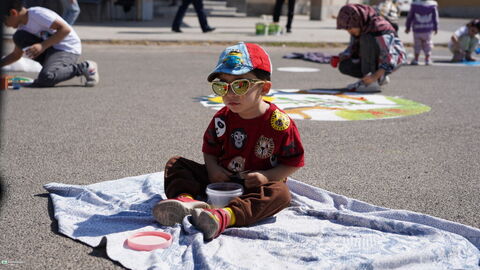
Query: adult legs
[369,53]
[291,12]
[182,9]
[277,10]
[202,18]
[367,61]
[71,10]
[351,67]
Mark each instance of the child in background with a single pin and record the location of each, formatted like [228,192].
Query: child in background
[46,38]
[389,10]
[423,19]
[464,41]
[374,50]
[249,136]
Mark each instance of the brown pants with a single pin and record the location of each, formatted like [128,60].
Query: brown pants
[187,176]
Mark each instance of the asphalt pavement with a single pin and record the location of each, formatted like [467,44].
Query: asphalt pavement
[145,110]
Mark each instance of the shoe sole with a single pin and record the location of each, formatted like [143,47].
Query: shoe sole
[205,222]
[169,213]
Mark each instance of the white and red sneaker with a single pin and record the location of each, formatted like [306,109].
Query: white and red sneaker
[171,211]
[91,74]
[211,222]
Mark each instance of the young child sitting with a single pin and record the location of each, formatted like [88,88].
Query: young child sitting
[46,38]
[423,19]
[248,136]
[464,41]
[374,50]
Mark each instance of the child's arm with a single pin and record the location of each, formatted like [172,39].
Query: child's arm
[12,57]
[408,23]
[435,21]
[279,173]
[216,173]
[62,30]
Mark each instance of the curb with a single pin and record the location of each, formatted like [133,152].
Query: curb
[321,44]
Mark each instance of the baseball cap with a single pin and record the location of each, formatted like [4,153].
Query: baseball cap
[241,59]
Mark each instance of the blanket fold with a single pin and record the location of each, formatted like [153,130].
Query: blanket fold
[320,230]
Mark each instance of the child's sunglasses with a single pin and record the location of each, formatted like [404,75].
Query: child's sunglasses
[239,87]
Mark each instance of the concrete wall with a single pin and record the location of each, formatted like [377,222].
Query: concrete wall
[459,8]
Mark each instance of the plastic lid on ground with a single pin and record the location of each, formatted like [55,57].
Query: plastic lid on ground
[149,240]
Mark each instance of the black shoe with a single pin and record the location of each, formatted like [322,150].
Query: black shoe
[176,30]
[289,30]
[209,29]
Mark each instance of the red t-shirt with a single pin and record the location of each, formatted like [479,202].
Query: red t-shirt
[253,144]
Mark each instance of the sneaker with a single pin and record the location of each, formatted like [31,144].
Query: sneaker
[211,222]
[414,63]
[91,73]
[171,211]
[373,87]
[354,85]
[384,80]
[458,57]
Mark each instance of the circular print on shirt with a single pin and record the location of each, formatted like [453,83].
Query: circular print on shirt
[279,121]
[264,147]
[220,127]
[238,138]
[237,164]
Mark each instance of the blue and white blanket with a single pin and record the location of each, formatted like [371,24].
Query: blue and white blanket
[321,230]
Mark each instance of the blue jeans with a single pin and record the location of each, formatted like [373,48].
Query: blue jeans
[71,10]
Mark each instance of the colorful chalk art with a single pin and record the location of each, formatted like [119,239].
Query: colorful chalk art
[331,105]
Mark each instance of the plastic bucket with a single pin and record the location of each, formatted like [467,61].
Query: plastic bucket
[220,194]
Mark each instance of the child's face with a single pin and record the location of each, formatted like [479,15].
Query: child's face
[472,31]
[245,105]
[12,19]
[354,31]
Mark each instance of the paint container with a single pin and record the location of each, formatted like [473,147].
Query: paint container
[16,83]
[334,61]
[4,83]
[220,194]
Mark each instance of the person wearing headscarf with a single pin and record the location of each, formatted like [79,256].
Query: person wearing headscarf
[374,51]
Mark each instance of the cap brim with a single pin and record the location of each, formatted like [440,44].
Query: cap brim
[212,76]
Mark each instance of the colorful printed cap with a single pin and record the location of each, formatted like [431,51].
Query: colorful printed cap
[240,59]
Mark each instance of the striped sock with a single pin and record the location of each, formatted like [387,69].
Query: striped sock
[186,195]
[232,216]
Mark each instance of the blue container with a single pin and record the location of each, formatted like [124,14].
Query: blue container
[16,83]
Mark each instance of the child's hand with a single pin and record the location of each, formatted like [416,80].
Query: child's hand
[342,57]
[255,179]
[34,50]
[368,79]
[217,173]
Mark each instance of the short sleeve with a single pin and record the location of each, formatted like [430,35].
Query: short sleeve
[291,151]
[212,138]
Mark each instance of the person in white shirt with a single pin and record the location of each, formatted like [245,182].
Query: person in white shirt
[464,41]
[46,38]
